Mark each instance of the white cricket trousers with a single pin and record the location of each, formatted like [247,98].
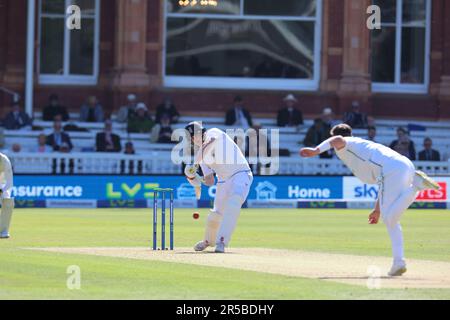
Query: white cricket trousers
[230,196]
[6,177]
[396,194]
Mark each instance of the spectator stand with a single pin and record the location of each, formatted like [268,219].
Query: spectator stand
[152,158]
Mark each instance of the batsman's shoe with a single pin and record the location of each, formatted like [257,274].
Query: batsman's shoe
[4,235]
[201,246]
[397,270]
[426,182]
[220,247]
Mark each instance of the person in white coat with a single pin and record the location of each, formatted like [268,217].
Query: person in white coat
[6,184]
[218,155]
[398,181]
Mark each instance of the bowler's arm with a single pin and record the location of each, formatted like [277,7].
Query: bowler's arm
[336,142]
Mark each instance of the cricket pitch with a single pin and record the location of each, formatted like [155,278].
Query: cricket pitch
[369,271]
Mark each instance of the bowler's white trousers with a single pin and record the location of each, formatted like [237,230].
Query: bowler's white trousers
[397,192]
[230,196]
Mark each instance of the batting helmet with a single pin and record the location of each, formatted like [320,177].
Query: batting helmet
[195,128]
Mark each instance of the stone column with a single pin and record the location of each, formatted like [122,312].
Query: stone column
[445,79]
[332,43]
[355,82]
[130,45]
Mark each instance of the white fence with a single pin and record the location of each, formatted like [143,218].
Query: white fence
[92,163]
[161,163]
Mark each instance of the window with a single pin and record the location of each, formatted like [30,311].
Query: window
[68,56]
[243,44]
[400,49]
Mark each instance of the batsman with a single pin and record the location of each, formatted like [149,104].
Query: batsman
[217,154]
[6,184]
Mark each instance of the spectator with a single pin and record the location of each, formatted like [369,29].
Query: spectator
[429,154]
[107,141]
[404,145]
[59,140]
[42,146]
[355,118]
[142,122]
[16,148]
[316,134]
[238,116]
[169,109]
[371,133]
[129,148]
[162,133]
[328,117]
[2,138]
[54,109]
[127,111]
[16,119]
[91,111]
[289,116]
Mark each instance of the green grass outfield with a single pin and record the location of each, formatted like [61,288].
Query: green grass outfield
[26,274]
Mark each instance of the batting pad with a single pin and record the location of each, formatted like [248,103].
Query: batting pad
[212,225]
[6,214]
[230,217]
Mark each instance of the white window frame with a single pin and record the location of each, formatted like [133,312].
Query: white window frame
[66,78]
[200,82]
[397,86]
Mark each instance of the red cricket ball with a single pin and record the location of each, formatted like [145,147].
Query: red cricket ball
[196,215]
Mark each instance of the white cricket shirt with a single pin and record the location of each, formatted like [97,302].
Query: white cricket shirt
[366,159]
[221,155]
